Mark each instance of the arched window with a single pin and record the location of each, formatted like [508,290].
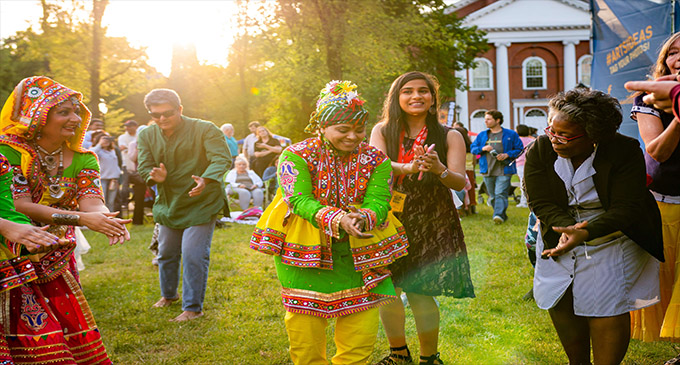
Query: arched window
[534,73]
[584,64]
[481,75]
[477,121]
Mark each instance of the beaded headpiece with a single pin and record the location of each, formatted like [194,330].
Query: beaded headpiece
[25,112]
[338,103]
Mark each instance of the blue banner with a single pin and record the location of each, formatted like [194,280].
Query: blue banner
[627,36]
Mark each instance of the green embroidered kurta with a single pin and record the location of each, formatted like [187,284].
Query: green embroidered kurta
[15,270]
[350,275]
[196,148]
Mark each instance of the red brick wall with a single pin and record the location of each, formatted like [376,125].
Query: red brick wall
[553,55]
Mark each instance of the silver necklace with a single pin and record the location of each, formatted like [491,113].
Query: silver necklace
[54,187]
[49,158]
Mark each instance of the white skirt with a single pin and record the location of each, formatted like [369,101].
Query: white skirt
[607,280]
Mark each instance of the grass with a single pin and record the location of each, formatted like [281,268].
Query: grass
[244,317]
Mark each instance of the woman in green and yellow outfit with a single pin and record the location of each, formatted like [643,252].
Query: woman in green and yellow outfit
[331,232]
[56,184]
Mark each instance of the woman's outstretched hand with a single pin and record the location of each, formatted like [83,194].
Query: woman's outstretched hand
[571,237]
[107,224]
[35,239]
[658,91]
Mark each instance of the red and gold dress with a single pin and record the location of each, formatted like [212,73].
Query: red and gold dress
[48,320]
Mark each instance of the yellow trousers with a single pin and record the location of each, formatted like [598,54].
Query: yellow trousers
[662,320]
[355,335]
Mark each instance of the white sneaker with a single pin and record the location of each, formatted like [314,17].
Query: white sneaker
[498,220]
[522,205]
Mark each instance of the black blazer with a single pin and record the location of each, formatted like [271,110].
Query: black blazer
[620,181]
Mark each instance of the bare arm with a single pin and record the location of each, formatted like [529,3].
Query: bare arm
[455,161]
[93,214]
[659,142]
[378,141]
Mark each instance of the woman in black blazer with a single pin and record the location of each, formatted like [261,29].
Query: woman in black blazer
[600,236]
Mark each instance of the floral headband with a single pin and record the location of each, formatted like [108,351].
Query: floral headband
[338,103]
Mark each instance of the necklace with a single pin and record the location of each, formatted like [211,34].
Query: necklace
[49,158]
[54,187]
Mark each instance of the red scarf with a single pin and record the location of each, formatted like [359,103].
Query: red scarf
[407,156]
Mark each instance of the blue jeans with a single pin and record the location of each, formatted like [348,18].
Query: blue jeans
[497,187]
[194,244]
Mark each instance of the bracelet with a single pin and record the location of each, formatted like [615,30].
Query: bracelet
[65,219]
[328,218]
[336,223]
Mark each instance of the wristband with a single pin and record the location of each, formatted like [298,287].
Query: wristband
[65,219]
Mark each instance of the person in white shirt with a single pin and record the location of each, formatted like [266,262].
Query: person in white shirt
[245,183]
[129,167]
[109,170]
[250,140]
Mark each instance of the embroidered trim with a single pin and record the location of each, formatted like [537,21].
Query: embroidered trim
[379,254]
[16,272]
[328,219]
[350,172]
[78,292]
[331,305]
[31,311]
[373,277]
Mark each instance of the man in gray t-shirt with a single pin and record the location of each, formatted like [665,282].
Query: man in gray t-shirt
[497,147]
[496,142]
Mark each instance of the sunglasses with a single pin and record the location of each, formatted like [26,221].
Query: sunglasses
[560,139]
[167,114]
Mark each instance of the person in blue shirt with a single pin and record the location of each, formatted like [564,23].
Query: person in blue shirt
[228,131]
[498,147]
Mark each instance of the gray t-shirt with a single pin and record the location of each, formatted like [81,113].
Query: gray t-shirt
[496,141]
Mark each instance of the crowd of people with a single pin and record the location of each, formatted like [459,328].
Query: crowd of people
[355,221]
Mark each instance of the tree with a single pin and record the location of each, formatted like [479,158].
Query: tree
[59,50]
[98,8]
[310,42]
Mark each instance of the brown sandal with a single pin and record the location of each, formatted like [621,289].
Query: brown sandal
[397,359]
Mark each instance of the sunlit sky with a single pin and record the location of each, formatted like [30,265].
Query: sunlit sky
[157,25]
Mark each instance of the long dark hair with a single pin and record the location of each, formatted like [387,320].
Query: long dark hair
[395,119]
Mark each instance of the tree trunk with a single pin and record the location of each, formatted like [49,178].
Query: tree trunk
[45,26]
[241,45]
[98,8]
[332,17]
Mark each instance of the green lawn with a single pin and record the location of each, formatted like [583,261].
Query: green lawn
[243,321]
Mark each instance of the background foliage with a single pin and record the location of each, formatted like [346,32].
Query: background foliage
[279,61]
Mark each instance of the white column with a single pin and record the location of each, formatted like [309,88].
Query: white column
[569,64]
[462,100]
[502,80]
